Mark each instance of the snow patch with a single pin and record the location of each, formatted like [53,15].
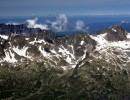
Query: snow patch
[68,59]
[82,42]
[10,57]
[45,54]
[73,66]
[26,38]
[64,67]
[53,51]
[21,52]
[39,41]
[67,55]
[114,30]
[128,35]
[120,44]
[102,42]
[4,37]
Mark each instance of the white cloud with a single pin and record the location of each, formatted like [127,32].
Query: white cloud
[80,26]
[62,19]
[33,24]
[60,24]
[41,26]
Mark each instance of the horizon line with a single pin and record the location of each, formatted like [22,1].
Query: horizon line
[51,15]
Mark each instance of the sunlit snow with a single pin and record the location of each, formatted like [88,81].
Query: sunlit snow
[4,37]
[21,52]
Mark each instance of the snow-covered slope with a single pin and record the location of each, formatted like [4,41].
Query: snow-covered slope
[114,51]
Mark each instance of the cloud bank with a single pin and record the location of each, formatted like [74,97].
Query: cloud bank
[61,24]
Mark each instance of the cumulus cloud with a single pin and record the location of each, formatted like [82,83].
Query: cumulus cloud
[32,23]
[80,26]
[62,20]
[60,24]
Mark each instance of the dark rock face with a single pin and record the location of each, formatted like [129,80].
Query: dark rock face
[114,33]
[46,35]
[2,54]
[76,42]
[18,40]
[3,45]
[76,39]
[33,51]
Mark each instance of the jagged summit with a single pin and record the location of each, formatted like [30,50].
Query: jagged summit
[114,33]
[116,28]
[117,33]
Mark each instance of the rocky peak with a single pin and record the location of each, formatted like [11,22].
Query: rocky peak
[114,33]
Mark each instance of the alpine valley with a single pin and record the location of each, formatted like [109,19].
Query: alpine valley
[37,65]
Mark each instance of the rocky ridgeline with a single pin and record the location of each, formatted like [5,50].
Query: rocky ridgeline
[42,44]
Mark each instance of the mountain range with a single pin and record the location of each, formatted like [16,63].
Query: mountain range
[108,50]
[40,44]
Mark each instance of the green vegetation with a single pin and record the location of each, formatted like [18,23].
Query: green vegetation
[97,80]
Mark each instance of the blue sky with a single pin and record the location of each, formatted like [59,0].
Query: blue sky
[69,7]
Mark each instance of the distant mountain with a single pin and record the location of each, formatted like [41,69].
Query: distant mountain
[18,29]
[107,52]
